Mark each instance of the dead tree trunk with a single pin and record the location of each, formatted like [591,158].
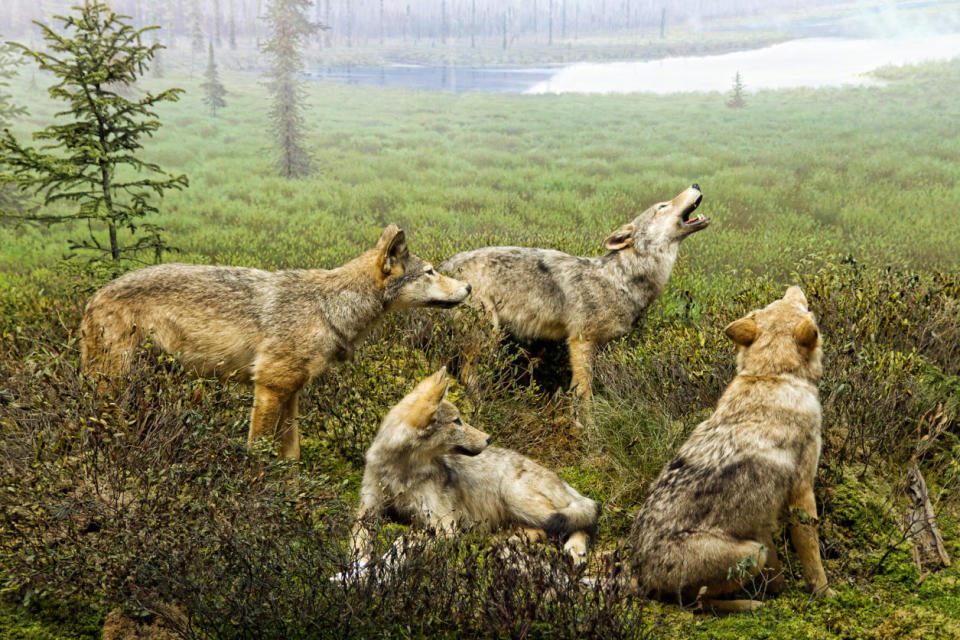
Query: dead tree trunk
[921,526]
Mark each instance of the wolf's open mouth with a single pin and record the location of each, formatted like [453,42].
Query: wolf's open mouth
[466,452]
[693,222]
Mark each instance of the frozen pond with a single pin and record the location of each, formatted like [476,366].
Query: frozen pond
[808,62]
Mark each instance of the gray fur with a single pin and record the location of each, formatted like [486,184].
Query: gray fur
[428,468]
[716,503]
[543,293]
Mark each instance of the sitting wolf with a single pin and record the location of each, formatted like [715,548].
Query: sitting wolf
[542,293]
[706,527]
[277,329]
[429,468]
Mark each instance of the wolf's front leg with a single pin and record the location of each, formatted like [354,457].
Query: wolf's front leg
[287,432]
[267,407]
[583,353]
[803,534]
[576,546]
[277,381]
[360,540]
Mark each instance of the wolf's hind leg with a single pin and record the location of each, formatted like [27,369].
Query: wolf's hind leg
[707,563]
[529,535]
[732,606]
[773,571]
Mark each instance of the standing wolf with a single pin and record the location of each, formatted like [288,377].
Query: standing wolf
[428,467]
[276,329]
[542,293]
[709,518]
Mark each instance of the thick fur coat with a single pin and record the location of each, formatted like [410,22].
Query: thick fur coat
[707,525]
[542,293]
[429,468]
[276,329]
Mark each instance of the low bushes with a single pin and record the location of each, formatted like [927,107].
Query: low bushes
[149,499]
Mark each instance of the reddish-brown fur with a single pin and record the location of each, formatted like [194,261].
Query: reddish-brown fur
[276,329]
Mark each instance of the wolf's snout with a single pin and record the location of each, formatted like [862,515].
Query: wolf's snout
[489,440]
[469,288]
[695,186]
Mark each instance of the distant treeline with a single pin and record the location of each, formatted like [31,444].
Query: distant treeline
[368,22]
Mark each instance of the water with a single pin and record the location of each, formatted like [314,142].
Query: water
[459,79]
[807,62]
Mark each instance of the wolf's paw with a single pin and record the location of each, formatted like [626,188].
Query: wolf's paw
[732,606]
[822,592]
[353,573]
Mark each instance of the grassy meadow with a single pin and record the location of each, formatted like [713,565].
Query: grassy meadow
[850,193]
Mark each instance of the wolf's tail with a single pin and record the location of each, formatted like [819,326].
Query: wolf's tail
[453,263]
[581,514]
[107,338]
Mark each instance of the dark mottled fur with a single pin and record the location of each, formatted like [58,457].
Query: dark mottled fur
[542,293]
[716,503]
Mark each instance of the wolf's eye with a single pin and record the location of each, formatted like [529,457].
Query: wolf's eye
[431,272]
[457,421]
[662,206]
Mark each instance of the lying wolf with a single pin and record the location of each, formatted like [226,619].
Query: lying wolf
[429,468]
[541,293]
[276,329]
[706,527]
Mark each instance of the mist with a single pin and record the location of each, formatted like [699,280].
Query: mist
[231,244]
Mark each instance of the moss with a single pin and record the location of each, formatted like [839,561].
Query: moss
[49,619]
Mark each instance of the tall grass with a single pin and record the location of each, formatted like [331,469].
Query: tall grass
[848,193]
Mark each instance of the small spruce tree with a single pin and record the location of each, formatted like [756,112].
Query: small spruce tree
[91,159]
[289,29]
[736,96]
[213,91]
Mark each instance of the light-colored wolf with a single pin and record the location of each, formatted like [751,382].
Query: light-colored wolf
[276,329]
[706,527]
[542,293]
[429,468]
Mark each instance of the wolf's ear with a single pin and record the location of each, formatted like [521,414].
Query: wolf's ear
[435,390]
[743,331]
[440,386]
[795,294]
[620,239]
[806,333]
[391,247]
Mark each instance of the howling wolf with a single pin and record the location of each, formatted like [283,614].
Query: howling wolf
[429,468]
[276,329]
[706,527]
[542,293]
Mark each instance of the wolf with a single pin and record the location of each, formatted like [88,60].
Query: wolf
[429,468]
[706,527]
[274,329]
[547,294]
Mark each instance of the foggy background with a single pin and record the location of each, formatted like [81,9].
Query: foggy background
[355,23]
